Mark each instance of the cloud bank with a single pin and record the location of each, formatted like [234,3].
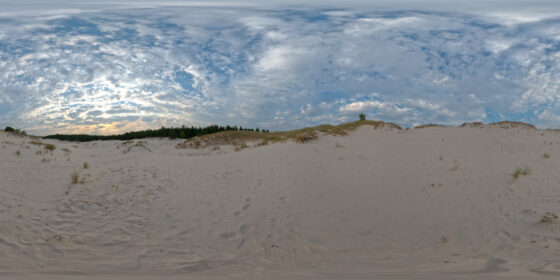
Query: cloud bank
[96,70]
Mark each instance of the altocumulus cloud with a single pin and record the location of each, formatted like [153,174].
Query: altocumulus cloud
[101,71]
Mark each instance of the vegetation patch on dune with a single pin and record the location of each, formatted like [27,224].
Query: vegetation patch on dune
[15,131]
[428,125]
[49,147]
[509,124]
[502,124]
[304,135]
[472,124]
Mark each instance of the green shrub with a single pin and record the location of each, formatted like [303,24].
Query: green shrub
[362,117]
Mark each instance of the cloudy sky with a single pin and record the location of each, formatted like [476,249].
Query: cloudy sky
[111,66]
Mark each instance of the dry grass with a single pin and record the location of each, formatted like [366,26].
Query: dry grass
[522,171]
[241,147]
[546,155]
[50,147]
[303,135]
[86,165]
[74,177]
[472,124]
[37,143]
[549,217]
[427,125]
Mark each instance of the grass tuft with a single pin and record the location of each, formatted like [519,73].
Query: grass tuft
[549,217]
[37,143]
[50,147]
[240,147]
[522,171]
[74,177]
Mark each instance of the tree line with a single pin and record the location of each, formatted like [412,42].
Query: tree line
[169,132]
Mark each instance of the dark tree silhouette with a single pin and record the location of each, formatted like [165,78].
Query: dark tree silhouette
[172,132]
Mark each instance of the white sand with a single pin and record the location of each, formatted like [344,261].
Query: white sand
[433,203]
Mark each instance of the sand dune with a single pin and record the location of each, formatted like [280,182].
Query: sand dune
[431,203]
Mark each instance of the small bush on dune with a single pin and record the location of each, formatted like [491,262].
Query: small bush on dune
[546,155]
[15,131]
[18,153]
[86,165]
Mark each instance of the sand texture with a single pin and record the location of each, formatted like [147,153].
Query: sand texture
[379,203]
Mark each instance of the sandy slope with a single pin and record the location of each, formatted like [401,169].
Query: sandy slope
[433,203]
